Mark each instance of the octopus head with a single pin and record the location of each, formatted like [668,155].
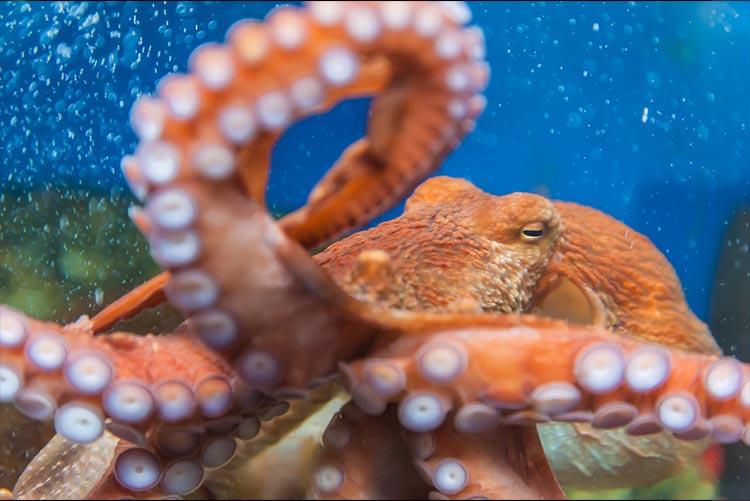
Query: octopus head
[521,232]
[508,240]
[524,227]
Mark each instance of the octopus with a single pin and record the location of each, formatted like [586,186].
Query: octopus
[484,342]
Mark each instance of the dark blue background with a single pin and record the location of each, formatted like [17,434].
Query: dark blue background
[569,85]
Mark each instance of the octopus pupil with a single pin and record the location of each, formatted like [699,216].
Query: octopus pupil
[533,233]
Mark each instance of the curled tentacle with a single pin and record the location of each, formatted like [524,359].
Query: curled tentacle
[423,109]
[204,145]
[534,371]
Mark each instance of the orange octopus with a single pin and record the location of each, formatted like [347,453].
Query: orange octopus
[457,249]
[433,322]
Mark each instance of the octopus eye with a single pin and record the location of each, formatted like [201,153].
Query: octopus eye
[532,232]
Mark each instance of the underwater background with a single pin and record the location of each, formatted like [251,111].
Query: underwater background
[639,109]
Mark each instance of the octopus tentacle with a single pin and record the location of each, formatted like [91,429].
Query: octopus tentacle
[555,372]
[174,461]
[237,96]
[427,104]
[146,295]
[159,394]
[365,457]
[258,313]
[502,463]
[49,369]
[374,74]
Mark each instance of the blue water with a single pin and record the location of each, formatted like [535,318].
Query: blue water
[567,117]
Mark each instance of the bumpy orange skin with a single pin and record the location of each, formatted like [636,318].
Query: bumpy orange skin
[459,249]
[455,249]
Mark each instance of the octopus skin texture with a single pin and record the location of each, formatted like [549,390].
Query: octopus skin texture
[433,322]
